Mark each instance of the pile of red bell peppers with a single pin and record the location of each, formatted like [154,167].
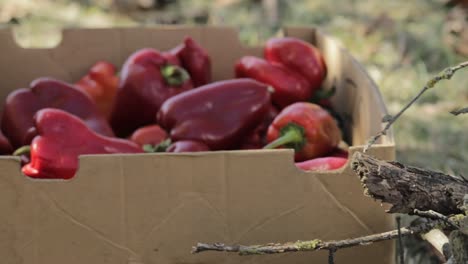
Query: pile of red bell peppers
[167,101]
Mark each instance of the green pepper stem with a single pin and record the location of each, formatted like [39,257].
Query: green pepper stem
[22,150]
[291,136]
[161,147]
[174,75]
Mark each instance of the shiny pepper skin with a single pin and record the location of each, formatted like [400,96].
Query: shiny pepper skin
[61,138]
[322,164]
[22,104]
[307,128]
[101,83]
[148,78]
[298,56]
[219,114]
[289,87]
[150,134]
[257,138]
[195,59]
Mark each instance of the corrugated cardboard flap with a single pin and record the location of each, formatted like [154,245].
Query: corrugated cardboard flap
[152,208]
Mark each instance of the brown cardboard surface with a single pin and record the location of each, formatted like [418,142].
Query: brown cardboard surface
[152,208]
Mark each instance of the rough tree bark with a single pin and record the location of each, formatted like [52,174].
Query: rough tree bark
[411,190]
[408,188]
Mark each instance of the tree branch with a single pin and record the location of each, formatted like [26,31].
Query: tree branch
[435,215]
[459,111]
[444,75]
[408,188]
[316,244]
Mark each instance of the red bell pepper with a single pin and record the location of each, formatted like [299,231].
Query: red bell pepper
[322,164]
[187,146]
[289,87]
[252,141]
[218,114]
[22,104]
[257,139]
[307,128]
[148,78]
[100,83]
[298,56]
[5,146]
[195,60]
[149,135]
[61,139]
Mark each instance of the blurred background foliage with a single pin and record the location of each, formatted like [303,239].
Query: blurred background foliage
[401,43]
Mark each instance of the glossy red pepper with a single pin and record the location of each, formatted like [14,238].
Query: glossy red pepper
[307,128]
[298,56]
[322,164]
[5,146]
[195,60]
[218,114]
[257,138]
[61,138]
[100,83]
[289,87]
[22,104]
[148,78]
[149,135]
[187,146]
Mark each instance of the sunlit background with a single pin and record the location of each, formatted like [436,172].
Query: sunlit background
[401,43]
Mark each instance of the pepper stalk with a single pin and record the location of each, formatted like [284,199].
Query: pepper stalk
[174,75]
[292,136]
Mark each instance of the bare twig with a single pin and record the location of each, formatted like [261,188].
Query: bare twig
[444,75]
[435,215]
[331,255]
[316,244]
[400,241]
[459,111]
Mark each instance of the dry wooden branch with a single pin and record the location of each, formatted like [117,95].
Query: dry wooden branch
[444,75]
[408,188]
[459,111]
[316,244]
[435,215]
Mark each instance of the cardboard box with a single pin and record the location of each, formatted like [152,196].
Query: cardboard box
[152,208]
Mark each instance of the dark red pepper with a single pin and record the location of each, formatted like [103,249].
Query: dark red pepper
[195,60]
[289,87]
[306,127]
[257,138]
[218,114]
[298,56]
[322,164]
[22,104]
[148,78]
[252,141]
[100,83]
[61,138]
[5,146]
[187,146]
[149,135]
